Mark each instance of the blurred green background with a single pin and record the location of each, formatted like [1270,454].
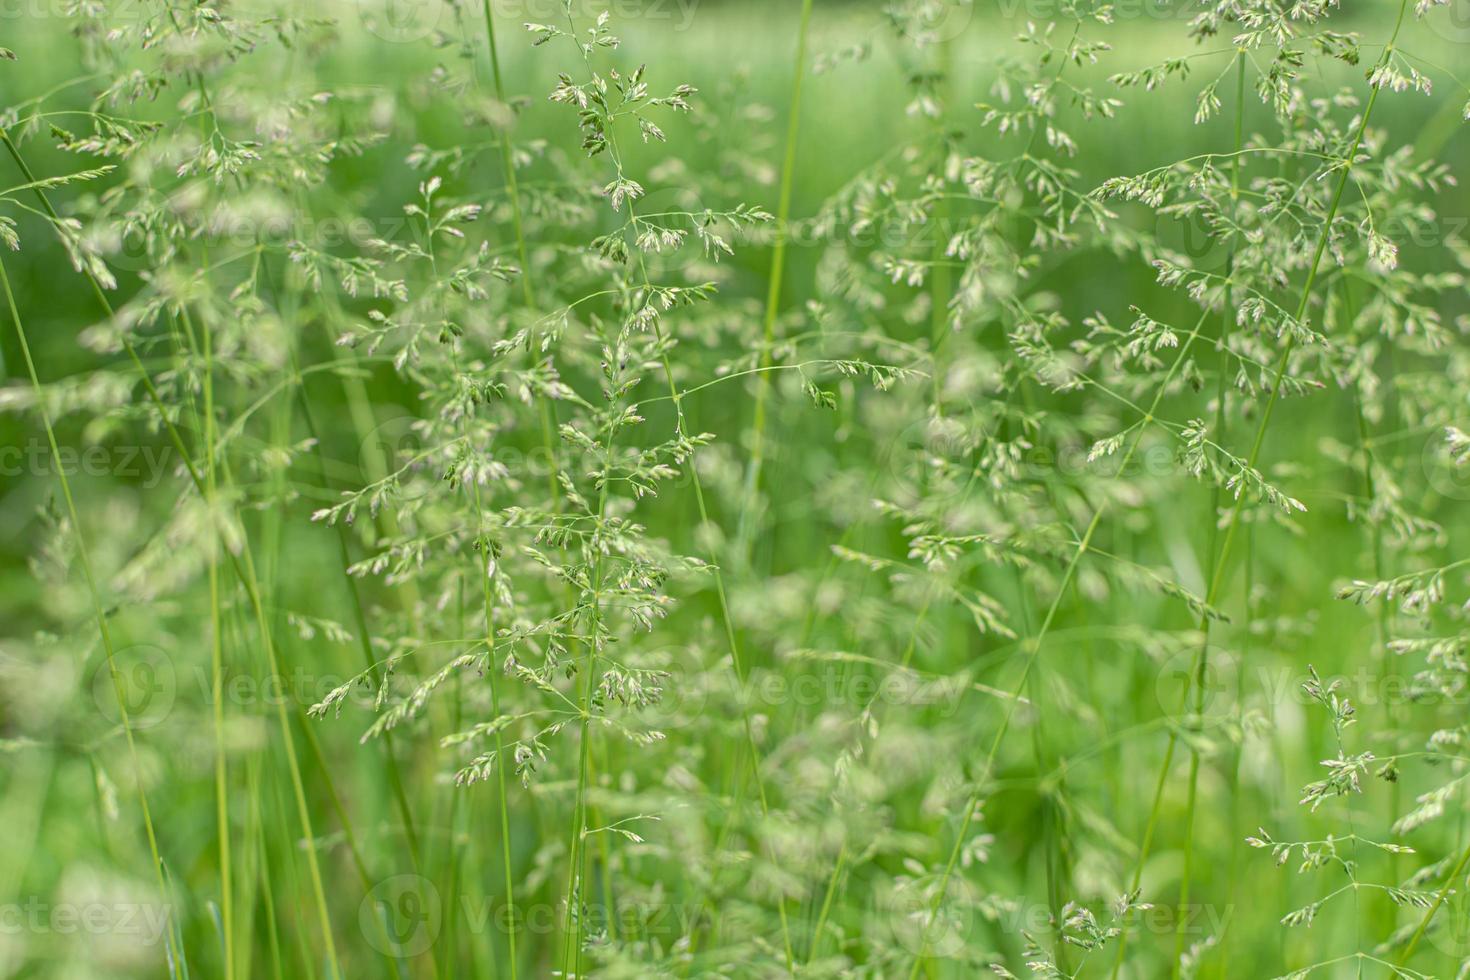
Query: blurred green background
[58,804]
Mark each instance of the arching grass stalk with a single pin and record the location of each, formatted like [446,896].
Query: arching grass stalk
[217,667]
[1439,899]
[1233,523]
[243,566]
[1033,648]
[1221,389]
[485,559]
[365,645]
[748,505]
[99,609]
[389,756]
[544,408]
[200,345]
[255,880]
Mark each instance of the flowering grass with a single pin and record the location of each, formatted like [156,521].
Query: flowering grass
[795,489]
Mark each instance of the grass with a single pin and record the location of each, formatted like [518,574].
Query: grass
[821,489]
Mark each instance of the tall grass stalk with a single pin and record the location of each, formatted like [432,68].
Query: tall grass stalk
[1032,650]
[217,667]
[749,502]
[99,609]
[737,661]
[244,568]
[1196,685]
[1217,577]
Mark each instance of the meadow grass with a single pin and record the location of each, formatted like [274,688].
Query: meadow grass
[794,489]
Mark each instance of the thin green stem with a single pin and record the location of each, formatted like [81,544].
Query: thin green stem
[1033,649]
[221,771]
[99,608]
[528,292]
[244,568]
[1198,675]
[1234,521]
[737,661]
[773,287]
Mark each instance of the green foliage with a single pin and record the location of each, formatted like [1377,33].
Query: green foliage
[528,519]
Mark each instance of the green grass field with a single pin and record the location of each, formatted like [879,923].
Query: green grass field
[734,489]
